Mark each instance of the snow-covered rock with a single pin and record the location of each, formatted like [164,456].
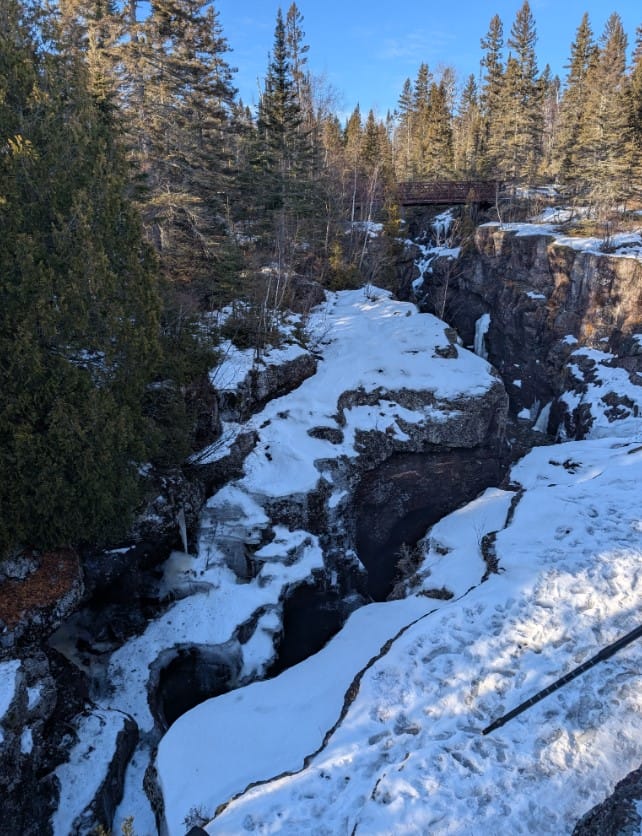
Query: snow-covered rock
[548,295]
[27,702]
[390,382]
[91,780]
[382,731]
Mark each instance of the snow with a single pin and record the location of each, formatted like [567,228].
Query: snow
[622,245]
[372,229]
[405,754]
[390,348]
[609,381]
[441,247]
[8,684]
[259,718]
[388,344]
[237,364]
[84,772]
[389,713]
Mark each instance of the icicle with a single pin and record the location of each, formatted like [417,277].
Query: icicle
[541,425]
[182,527]
[481,329]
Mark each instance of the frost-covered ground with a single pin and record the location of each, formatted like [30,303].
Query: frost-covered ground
[408,756]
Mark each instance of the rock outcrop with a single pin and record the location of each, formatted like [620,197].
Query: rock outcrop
[545,298]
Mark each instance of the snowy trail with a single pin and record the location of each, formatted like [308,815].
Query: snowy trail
[409,756]
[349,697]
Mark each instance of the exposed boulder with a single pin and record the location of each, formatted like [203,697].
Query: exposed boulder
[619,814]
[247,382]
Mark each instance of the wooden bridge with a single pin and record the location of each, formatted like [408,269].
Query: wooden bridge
[427,192]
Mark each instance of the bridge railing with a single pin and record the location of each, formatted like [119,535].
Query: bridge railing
[423,192]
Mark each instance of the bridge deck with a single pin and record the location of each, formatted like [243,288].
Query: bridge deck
[424,193]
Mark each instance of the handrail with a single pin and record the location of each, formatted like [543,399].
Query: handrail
[418,192]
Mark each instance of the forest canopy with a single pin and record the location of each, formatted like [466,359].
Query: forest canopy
[138,194]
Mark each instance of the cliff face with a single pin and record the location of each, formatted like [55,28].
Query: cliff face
[547,298]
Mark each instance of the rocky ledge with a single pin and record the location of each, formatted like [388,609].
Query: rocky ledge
[537,303]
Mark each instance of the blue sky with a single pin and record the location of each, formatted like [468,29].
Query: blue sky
[367,48]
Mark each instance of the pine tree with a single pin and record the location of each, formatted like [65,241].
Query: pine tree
[522,95]
[606,140]
[574,112]
[491,97]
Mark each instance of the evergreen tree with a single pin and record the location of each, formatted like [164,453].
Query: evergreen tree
[78,304]
[491,97]
[574,113]
[180,121]
[636,98]
[606,140]
[439,150]
[420,153]
[523,100]
[404,131]
[287,162]
[550,98]
[297,53]
[353,140]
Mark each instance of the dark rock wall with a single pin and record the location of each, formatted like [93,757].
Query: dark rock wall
[538,293]
[397,501]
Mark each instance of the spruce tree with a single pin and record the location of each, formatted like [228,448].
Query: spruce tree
[606,139]
[420,151]
[550,98]
[636,100]
[180,123]
[285,144]
[468,132]
[491,97]
[574,111]
[439,150]
[404,131]
[523,99]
